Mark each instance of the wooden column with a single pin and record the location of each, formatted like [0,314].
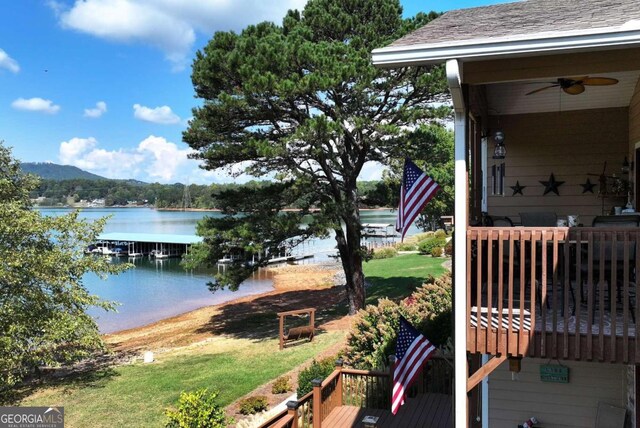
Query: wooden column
[281,331]
[317,403]
[338,391]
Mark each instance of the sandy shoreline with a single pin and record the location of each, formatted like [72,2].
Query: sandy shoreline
[295,286]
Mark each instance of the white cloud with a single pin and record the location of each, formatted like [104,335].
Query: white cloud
[9,63]
[153,159]
[169,25]
[99,110]
[162,115]
[36,104]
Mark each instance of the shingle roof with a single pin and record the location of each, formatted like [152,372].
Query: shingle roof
[523,18]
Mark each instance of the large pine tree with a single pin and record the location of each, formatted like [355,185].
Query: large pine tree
[301,104]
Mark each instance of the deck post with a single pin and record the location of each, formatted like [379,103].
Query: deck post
[281,331]
[317,403]
[338,391]
[292,410]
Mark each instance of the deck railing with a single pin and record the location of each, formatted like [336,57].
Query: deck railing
[553,292]
[369,389]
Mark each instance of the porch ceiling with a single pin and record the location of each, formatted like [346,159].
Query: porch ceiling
[510,97]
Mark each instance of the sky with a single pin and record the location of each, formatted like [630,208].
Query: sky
[105,85]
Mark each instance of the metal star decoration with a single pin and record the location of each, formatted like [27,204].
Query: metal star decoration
[551,185]
[517,188]
[588,186]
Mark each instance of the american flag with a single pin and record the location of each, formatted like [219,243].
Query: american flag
[416,191]
[412,351]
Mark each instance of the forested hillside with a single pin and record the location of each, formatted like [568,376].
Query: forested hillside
[52,171]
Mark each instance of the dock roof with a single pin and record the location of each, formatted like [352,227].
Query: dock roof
[151,237]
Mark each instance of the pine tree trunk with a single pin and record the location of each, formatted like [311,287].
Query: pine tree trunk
[351,256]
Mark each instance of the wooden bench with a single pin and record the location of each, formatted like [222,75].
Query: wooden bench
[297,333]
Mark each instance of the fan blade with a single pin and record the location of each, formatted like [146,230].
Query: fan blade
[574,89]
[541,89]
[599,81]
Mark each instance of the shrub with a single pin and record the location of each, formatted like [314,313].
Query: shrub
[437,251]
[255,404]
[197,409]
[405,246]
[422,236]
[317,370]
[282,385]
[440,233]
[374,331]
[385,253]
[426,246]
[448,248]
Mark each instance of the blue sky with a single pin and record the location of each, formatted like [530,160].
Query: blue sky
[105,84]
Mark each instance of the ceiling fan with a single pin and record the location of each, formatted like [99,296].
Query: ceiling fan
[575,86]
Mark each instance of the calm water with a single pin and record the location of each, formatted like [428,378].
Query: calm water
[157,289]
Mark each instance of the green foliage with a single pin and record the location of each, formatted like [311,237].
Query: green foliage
[197,409]
[302,102]
[281,385]
[440,233]
[43,301]
[427,246]
[52,171]
[437,251]
[405,246]
[317,370]
[374,331]
[384,253]
[255,404]
[419,237]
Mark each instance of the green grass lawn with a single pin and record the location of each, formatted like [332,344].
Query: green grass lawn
[136,395]
[398,276]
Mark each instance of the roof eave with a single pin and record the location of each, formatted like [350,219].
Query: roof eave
[424,54]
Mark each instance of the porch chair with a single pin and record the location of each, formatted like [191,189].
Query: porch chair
[544,219]
[616,221]
[539,219]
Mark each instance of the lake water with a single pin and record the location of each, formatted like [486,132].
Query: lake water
[157,289]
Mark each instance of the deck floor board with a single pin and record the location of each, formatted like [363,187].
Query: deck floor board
[424,410]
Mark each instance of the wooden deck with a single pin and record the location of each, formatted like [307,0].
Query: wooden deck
[425,410]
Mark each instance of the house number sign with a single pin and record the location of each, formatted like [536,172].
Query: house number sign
[554,373]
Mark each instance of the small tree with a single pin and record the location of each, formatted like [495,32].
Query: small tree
[43,302]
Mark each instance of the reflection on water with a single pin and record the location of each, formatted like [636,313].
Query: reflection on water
[157,289]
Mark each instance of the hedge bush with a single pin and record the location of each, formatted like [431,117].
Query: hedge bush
[255,404]
[384,253]
[281,385]
[437,251]
[426,246]
[374,331]
[448,248]
[405,246]
[197,409]
[440,233]
[317,370]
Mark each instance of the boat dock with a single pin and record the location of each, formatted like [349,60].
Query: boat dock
[142,244]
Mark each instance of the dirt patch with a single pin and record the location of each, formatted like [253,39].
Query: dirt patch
[251,316]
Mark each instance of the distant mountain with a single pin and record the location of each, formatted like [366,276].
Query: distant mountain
[52,171]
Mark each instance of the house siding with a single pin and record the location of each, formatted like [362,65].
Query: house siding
[555,405]
[570,145]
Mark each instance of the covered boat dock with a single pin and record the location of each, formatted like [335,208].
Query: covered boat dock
[155,244]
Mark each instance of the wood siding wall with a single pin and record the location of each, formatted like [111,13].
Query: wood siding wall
[568,144]
[555,405]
